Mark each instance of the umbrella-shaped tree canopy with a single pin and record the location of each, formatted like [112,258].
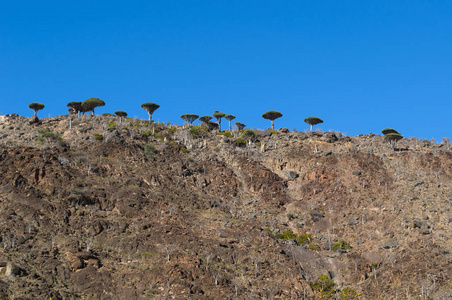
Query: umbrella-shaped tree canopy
[150,107]
[313,121]
[272,115]
[35,106]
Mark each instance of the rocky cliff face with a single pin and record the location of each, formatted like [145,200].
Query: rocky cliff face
[105,210]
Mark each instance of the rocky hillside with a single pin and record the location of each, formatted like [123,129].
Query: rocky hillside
[131,210]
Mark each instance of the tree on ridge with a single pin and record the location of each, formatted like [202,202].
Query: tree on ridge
[121,114]
[91,103]
[76,106]
[389,130]
[218,115]
[35,106]
[313,121]
[240,126]
[150,107]
[189,118]
[393,138]
[272,115]
[229,118]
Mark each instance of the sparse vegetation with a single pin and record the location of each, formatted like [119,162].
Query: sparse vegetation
[304,239]
[49,135]
[249,135]
[224,133]
[348,294]
[324,286]
[240,141]
[122,207]
[342,245]
[149,149]
[286,235]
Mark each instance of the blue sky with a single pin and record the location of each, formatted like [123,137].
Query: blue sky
[361,66]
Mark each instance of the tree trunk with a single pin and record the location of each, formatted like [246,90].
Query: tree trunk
[150,117]
[229,125]
[311,127]
[273,124]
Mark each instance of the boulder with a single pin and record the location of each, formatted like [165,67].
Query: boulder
[113,137]
[35,120]
[329,137]
[291,174]
[13,270]
[373,258]
[392,243]
[283,130]
[353,220]
[317,215]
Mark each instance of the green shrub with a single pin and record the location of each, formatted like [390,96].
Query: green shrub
[226,133]
[273,132]
[348,294]
[98,137]
[286,235]
[240,142]
[342,245]
[304,239]
[194,132]
[313,247]
[268,229]
[248,132]
[134,122]
[324,286]
[108,115]
[198,131]
[147,254]
[259,144]
[172,129]
[159,136]
[173,144]
[49,135]
[112,125]
[184,150]
[149,149]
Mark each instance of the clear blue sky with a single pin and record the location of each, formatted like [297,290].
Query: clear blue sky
[361,66]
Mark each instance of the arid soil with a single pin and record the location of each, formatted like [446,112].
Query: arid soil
[132,210]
